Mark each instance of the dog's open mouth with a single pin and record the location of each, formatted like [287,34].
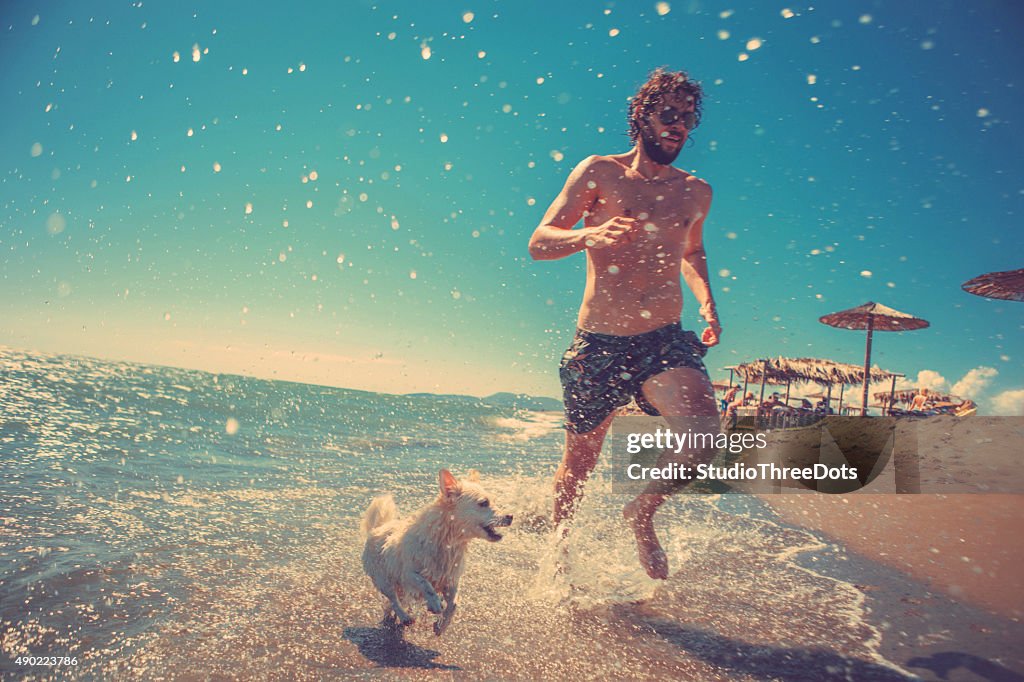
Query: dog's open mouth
[492,534]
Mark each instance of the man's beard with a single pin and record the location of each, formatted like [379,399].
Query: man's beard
[656,152]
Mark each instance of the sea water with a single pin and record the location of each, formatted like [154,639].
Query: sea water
[166,523]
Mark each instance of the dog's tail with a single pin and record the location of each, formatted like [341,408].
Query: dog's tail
[381,510]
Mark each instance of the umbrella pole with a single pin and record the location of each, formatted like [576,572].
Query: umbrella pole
[828,400]
[764,376]
[842,389]
[867,366]
[892,393]
[788,384]
[730,378]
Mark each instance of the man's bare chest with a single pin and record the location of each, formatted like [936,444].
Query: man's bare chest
[657,205]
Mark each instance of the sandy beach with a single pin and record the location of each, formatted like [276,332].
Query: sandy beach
[965,542]
[965,546]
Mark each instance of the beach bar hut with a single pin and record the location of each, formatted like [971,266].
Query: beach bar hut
[872,317]
[826,373]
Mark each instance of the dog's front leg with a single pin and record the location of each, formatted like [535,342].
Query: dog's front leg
[449,609]
[429,593]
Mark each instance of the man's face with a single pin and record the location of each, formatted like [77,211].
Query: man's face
[666,129]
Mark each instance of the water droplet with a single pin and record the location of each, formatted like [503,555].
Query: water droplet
[55,224]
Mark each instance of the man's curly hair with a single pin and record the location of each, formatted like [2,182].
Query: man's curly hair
[659,85]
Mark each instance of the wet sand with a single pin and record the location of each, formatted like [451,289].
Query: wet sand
[958,535]
[968,547]
[749,599]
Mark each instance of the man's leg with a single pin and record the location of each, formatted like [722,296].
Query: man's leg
[581,451]
[684,393]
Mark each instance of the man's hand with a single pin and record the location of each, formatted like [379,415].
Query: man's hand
[710,336]
[616,232]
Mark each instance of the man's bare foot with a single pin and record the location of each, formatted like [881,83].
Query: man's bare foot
[652,556]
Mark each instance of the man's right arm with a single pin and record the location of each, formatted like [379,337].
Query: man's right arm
[554,237]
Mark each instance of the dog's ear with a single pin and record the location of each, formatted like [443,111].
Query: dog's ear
[449,484]
[473,476]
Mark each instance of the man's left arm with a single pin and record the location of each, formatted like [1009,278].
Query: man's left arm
[694,268]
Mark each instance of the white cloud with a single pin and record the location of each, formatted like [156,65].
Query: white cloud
[926,378]
[974,382]
[1009,403]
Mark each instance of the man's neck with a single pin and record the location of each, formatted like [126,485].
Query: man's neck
[645,166]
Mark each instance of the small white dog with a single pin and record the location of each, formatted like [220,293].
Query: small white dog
[422,556]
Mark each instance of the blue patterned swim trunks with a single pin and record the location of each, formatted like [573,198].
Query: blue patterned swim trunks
[602,372]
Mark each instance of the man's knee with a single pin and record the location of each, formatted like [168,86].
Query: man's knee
[681,390]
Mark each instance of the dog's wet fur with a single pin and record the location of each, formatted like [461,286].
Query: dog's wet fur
[422,556]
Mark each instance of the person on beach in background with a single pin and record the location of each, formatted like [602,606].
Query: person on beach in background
[729,396]
[643,225]
[729,418]
[920,401]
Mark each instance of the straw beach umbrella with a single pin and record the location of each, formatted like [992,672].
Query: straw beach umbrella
[872,317]
[1008,286]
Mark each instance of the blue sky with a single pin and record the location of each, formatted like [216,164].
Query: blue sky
[858,151]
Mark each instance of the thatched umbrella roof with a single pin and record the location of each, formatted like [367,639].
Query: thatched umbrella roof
[785,370]
[906,395]
[1008,286]
[872,317]
[882,319]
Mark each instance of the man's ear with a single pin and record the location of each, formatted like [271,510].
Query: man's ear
[449,484]
[473,476]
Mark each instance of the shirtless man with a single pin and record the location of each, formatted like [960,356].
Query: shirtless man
[642,226]
[920,401]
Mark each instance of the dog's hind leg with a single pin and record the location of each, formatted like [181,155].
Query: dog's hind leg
[396,607]
[429,593]
[449,610]
[390,620]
